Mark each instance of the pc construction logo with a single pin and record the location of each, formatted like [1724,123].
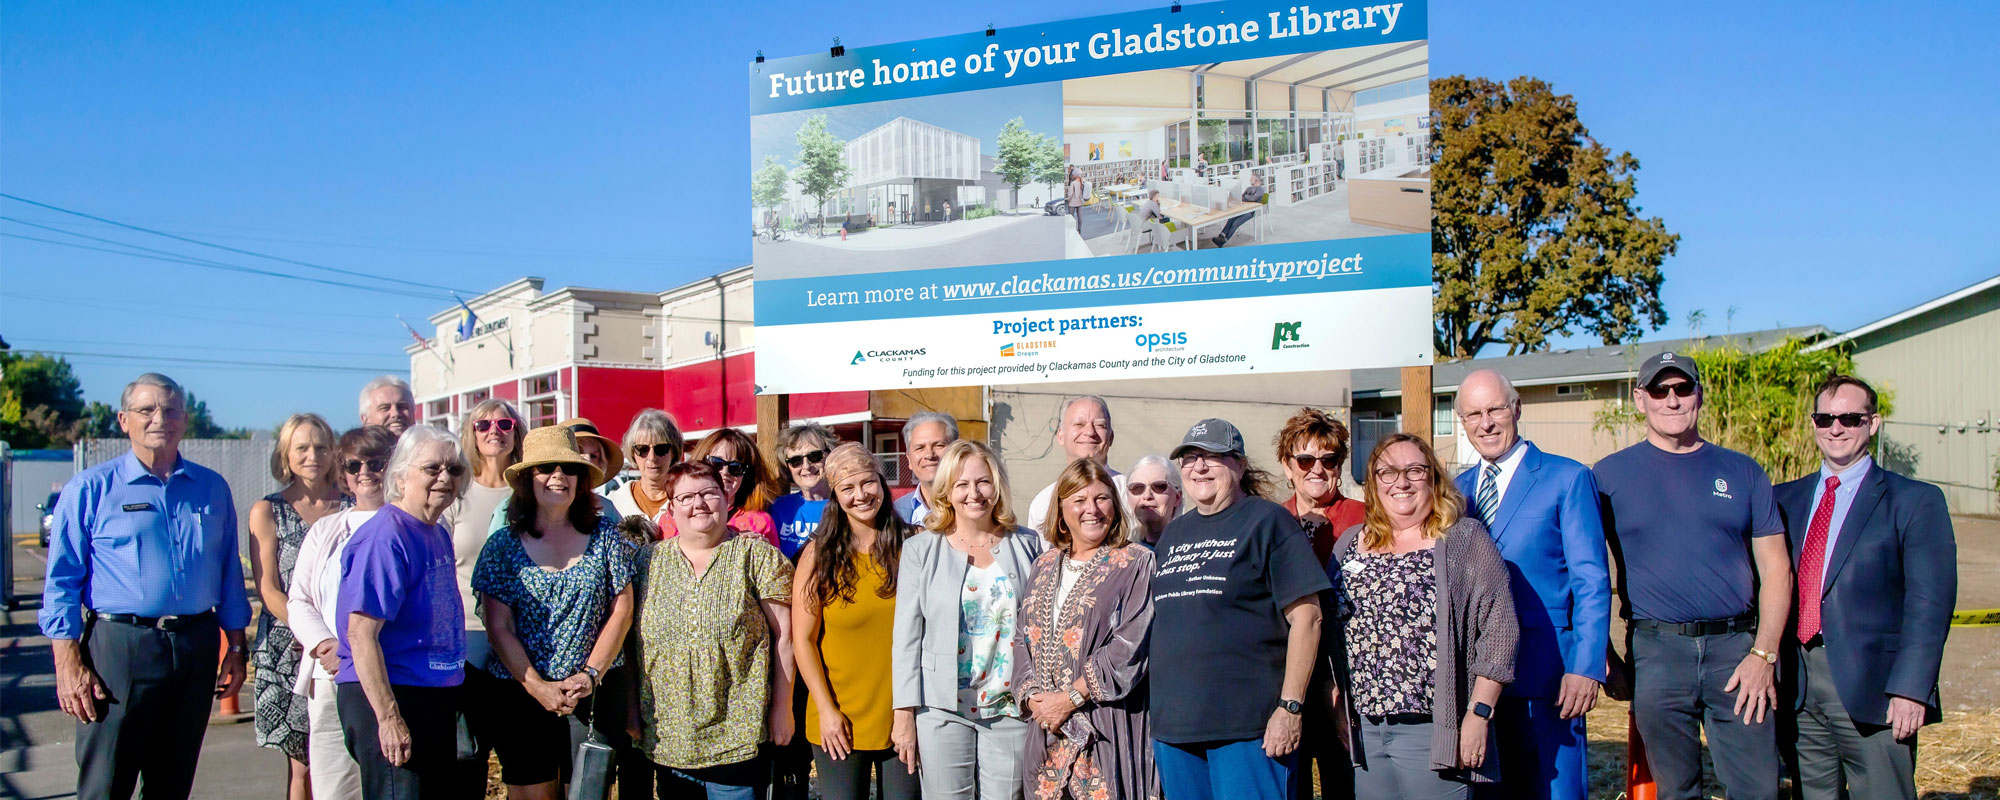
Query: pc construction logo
[885,355]
[1285,336]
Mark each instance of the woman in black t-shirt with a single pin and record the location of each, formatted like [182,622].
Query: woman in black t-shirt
[1240,588]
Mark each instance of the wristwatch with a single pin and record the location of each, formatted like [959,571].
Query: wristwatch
[595,676]
[1076,698]
[236,648]
[1481,710]
[1768,656]
[1293,707]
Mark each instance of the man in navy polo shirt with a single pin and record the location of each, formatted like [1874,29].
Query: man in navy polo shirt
[1707,584]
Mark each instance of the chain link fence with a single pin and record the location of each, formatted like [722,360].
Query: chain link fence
[244,463]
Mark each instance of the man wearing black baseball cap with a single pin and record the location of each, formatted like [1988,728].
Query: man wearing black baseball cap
[1706,580]
[1241,586]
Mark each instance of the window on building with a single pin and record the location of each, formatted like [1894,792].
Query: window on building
[542,384]
[541,412]
[1443,417]
[438,413]
[474,398]
[1570,390]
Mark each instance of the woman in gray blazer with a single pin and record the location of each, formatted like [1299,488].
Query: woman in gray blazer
[958,588]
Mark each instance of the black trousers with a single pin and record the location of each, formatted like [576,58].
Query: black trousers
[791,763]
[851,778]
[431,714]
[160,686]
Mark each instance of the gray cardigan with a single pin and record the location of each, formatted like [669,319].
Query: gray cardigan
[1477,632]
[929,586]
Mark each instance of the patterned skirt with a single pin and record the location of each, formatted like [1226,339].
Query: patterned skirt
[281,715]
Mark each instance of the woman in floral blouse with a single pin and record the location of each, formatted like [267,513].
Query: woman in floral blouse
[555,586]
[714,647]
[957,590]
[1081,647]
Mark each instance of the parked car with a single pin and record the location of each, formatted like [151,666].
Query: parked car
[1058,207]
[48,509]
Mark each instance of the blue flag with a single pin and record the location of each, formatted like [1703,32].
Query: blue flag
[467,320]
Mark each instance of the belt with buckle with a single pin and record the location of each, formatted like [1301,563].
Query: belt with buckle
[172,623]
[1707,627]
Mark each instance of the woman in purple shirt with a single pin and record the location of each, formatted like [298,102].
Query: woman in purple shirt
[402,626]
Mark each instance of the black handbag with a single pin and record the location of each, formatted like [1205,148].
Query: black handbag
[590,768]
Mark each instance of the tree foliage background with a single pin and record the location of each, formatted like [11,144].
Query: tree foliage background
[767,184]
[1535,231]
[42,407]
[822,167]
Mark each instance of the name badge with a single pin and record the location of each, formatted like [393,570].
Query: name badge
[138,506]
[1352,567]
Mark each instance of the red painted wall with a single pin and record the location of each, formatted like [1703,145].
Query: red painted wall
[611,397]
[509,391]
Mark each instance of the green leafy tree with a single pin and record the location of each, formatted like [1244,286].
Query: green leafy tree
[100,421]
[1753,402]
[41,401]
[1050,170]
[1020,155]
[1214,140]
[822,163]
[767,184]
[1535,231]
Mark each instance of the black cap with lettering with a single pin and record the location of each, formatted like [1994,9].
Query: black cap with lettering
[1212,435]
[1650,369]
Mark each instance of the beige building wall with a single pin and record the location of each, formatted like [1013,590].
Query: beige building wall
[1150,416]
[613,327]
[1559,419]
[685,314]
[1942,367]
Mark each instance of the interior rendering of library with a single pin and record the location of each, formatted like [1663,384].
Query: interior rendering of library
[1338,142]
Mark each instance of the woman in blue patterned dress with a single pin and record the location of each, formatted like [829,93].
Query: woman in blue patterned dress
[303,462]
[556,589]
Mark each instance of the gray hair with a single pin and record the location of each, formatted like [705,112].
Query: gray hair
[1101,406]
[923,418]
[792,436]
[165,384]
[1154,460]
[1506,388]
[416,440]
[657,424]
[384,381]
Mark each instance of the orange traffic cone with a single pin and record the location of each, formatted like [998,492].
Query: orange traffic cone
[1638,776]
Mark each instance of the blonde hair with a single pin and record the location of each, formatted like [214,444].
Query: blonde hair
[1079,475]
[468,439]
[944,518]
[1447,504]
[281,460]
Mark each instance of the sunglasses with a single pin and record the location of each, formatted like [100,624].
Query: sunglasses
[734,469]
[802,459]
[647,450]
[1852,419]
[503,425]
[354,466]
[1684,389]
[1305,462]
[572,470]
[434,470]
[1137,489]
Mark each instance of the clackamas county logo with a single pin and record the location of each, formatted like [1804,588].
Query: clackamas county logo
[885,355]
[1285,336]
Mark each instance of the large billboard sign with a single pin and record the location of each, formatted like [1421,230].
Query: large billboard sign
[1220,189]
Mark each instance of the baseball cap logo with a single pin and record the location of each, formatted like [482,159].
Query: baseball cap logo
[1667,356]
[1200,429]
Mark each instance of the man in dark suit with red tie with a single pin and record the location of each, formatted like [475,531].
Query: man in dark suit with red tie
[1877,579]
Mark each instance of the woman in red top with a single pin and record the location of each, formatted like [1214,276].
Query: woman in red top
[1313,446]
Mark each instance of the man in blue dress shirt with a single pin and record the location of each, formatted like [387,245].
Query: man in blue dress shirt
[926,435]
[144,577]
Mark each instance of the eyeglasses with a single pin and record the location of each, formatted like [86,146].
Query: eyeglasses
[572,470]
[710,495]
[1682,389]
[1137,489]
[1853,419]
[647,450]
[734,469]
[354,466]
[434,470]
[1500,413]
[503,425]
[1305,461]
[167,412]
[1417,473]
[1203,455]
[801,459]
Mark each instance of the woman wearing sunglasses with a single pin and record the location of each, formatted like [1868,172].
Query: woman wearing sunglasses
[1313,447]
[653,444]
[803,449]
[733,454]
[1153,490]
[360,456]
[490,437]
[303,462]
[556,588]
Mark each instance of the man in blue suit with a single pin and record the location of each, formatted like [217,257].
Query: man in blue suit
[1542,511]
[1877,578]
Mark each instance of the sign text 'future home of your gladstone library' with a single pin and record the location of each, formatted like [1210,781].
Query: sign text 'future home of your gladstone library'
[910,201]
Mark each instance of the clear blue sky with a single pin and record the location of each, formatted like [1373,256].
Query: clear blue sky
[1825,162]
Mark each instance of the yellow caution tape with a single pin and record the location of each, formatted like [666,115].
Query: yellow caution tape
[1983,618]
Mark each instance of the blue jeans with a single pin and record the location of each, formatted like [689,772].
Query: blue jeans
[1677,696]
[1229,228]
[743,780]
[1208,770]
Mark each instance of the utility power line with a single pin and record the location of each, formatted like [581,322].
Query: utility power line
[211,361]
[175,258]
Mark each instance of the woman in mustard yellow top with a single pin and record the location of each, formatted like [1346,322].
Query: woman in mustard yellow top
[843,616]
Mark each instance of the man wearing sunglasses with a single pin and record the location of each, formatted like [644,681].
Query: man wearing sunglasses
[926,435]
[1542,511]
[1707,584]
[1877,579]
